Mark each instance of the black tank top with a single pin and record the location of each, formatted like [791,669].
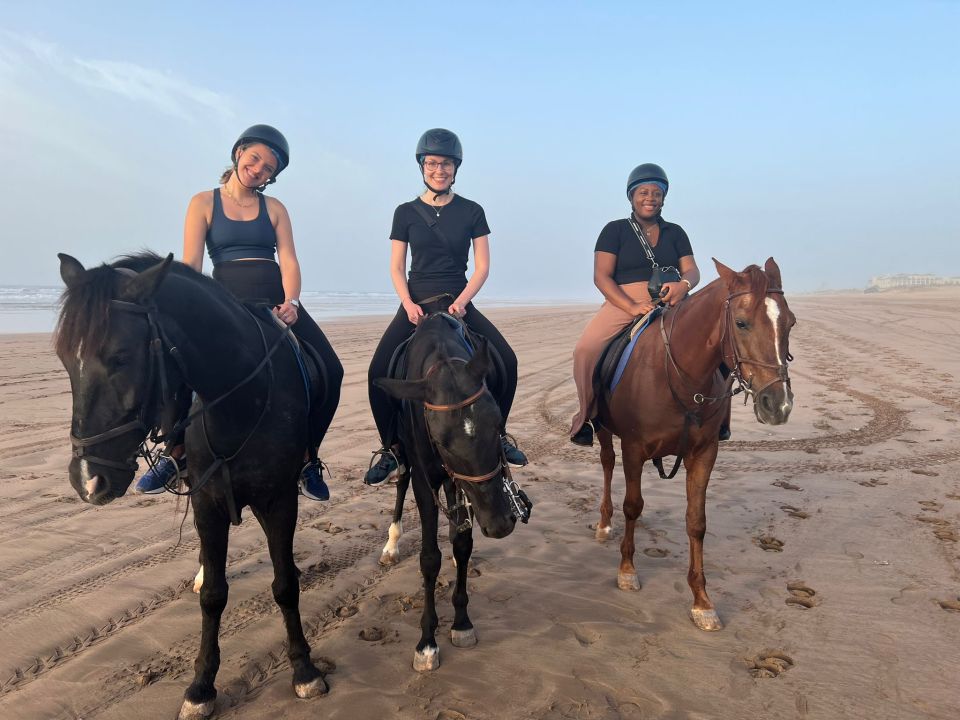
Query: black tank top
[240,239]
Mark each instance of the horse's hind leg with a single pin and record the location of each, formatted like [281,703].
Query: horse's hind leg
[391,551]
[213,528]
[633,461]
[608,458]
[462,633]
[279,523]
[698,469]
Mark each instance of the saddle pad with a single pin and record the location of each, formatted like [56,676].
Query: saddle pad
[617,354]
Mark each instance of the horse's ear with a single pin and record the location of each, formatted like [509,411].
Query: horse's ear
[142,286]
[726,274]
[479,365]
[70,270]
[772,270]
[415,390]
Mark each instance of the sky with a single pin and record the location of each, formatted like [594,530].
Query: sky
[824,134]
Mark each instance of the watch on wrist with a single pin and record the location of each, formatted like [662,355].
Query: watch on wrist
[294,302]
[689,284]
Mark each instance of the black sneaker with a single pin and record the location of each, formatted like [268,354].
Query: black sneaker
[514,456]
[583,436]
[386,468]
[724,432]
[312,484]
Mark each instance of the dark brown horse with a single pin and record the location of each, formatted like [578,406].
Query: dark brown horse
[672,399]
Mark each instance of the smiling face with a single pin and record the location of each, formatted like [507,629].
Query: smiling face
[256,164]
[647,201]
[439,172]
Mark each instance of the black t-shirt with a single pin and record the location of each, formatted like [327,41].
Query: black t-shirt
[633,265]
[438,267]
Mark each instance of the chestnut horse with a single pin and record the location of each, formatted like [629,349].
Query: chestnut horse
[672,399]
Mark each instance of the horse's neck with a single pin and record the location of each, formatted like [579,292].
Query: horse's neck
[216,338]
[696,337]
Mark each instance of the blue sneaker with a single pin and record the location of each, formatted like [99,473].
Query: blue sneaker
[515,457]
[386,468]
[163,473]
[311,482]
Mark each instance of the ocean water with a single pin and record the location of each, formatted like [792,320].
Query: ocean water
[32,309]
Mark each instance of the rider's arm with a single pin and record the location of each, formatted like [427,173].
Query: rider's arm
[604,266]
[674,292]
[286,252]
[199,212]
[398,274]
[481,270]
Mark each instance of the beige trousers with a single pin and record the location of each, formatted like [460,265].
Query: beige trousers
[602,328]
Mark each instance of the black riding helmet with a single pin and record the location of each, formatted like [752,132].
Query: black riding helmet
[269,136]
[648,172]
[440,142]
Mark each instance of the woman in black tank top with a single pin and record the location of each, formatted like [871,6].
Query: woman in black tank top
[242,229]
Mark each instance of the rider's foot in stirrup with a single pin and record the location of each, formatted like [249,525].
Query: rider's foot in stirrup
[312,484]
[156,479]
[515,457]
[386,468]
[583,436]
[724,432]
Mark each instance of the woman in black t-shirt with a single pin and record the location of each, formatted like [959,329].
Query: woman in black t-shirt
[438,265]
[621,270]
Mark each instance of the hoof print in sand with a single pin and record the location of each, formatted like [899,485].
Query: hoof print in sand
[450,715]
[367,526]
[770,664]
[872,482]
[946,535]
[950,605]
[769,543]
[786,485]
[372,634]
[325,665]
[794,512]
[930,505]
[801,595]
[346,611]
[656,552]
[925,473]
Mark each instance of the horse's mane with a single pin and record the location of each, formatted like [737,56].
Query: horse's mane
[85,307]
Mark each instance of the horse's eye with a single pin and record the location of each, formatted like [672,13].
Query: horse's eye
[116,362]
[742,324]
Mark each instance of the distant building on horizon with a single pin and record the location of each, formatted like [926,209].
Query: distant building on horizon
[879,283]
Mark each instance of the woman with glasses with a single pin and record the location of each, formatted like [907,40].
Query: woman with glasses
[243,230]
[438,227]
[621,271]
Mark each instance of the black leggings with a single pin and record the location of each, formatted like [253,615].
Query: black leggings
[399,329]
[260,280]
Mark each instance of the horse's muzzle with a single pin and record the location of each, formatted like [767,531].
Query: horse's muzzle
[92,486]
[773,405]
[498,527]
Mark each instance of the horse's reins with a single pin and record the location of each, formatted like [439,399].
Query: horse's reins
[736,371]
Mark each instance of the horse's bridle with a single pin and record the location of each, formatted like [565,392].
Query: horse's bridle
[519,504]
[736,369]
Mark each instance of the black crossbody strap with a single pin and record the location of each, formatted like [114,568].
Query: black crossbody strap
[431,221]
[638,231]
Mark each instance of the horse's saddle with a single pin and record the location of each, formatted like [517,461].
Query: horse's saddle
[617,354]
[397,368]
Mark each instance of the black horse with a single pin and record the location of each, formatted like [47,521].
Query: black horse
[130,334]
[450,433]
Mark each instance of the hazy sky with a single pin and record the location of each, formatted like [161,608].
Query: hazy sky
[822,133]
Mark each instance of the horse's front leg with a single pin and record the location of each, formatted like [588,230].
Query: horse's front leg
[462,633]
[427,655]
[633,460]
[391,551]
[213,527]
[608,459]
[699,466]
[279,521]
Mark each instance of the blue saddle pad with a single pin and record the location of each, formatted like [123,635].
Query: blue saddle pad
[627,351]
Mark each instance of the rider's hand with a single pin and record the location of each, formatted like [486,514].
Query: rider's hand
[414,311]
[641,308]
[674,292]
[457,309]
[287,312]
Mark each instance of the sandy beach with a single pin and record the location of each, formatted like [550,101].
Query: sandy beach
[833,547]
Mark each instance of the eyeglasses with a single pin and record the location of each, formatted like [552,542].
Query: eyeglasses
[434,164]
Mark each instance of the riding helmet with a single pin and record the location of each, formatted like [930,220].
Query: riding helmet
[269,136]
[648,172]
[440,142]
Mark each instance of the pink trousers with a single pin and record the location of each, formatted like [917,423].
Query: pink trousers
[601,329]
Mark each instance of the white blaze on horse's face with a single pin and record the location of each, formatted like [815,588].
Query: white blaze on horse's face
[80,359]
[773,312]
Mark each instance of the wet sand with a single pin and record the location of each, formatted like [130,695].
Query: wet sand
[832,554]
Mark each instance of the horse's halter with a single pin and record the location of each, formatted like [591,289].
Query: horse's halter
[157,392]
[510,487]
[738,359]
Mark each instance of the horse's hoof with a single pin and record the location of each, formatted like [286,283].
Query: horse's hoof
[603,533]
[427,659]
[463,638]
[198,580]
[628,581]
[389,558]
[706,619]
[196,711]
[311,689]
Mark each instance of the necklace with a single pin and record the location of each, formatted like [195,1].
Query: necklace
[235,201]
